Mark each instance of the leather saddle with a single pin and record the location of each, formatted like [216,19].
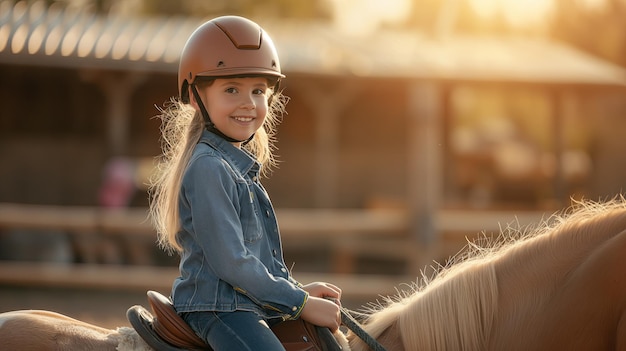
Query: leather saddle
[165,330]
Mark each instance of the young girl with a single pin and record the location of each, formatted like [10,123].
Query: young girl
[208,204]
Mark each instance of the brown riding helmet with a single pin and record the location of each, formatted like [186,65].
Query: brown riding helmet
[224,47]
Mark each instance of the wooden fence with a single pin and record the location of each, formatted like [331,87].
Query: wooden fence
[347,233]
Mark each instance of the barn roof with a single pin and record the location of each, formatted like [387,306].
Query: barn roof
[36,34]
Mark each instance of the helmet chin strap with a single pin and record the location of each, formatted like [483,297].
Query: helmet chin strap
[209,125]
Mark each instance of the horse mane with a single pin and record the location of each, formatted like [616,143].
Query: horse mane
[456,307]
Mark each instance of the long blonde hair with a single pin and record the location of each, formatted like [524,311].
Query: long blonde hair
[181,129]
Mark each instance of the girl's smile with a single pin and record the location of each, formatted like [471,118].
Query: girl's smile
[237,106]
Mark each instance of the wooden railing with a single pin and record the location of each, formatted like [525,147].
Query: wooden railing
[296,221]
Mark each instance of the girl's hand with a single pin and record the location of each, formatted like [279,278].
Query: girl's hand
[322,312]
[324,290]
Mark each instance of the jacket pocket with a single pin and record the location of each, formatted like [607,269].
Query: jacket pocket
[250,221]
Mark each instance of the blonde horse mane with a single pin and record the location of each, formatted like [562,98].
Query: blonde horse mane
[456,307]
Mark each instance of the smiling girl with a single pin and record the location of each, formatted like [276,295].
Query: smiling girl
[208,204]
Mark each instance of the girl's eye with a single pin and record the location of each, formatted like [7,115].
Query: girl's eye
[259,91]
[231,90]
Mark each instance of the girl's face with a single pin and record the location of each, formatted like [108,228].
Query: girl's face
[237,106]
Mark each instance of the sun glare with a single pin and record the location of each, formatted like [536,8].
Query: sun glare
[518,12]
[363,16]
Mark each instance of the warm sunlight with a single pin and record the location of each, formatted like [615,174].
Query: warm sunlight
[363,16]
[516,11]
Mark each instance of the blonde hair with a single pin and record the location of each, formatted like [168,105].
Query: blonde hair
[181,129]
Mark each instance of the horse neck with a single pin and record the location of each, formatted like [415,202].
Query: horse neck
[540,262]
[463,307]
[531,271]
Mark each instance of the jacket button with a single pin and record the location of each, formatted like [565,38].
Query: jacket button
[294,308]
[267,213]
[274,252]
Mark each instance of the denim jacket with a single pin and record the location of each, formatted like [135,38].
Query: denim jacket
[232,255]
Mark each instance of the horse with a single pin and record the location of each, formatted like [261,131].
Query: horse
[37,330]
[558,285]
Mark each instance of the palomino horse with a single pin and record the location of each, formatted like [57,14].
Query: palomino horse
[560,286]
[43,330]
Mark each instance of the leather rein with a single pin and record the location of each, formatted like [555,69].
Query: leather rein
[355,327]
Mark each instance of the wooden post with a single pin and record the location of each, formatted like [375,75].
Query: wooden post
[118,89]
[564,104]
[327,114]
[424,167]
[327,104]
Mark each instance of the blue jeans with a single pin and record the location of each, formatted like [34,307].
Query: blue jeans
[239,330]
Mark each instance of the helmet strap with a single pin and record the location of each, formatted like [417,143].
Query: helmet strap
[209,125]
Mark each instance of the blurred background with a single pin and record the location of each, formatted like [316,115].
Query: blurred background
[412,126]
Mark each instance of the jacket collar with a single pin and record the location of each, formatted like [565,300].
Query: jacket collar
[240,159]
